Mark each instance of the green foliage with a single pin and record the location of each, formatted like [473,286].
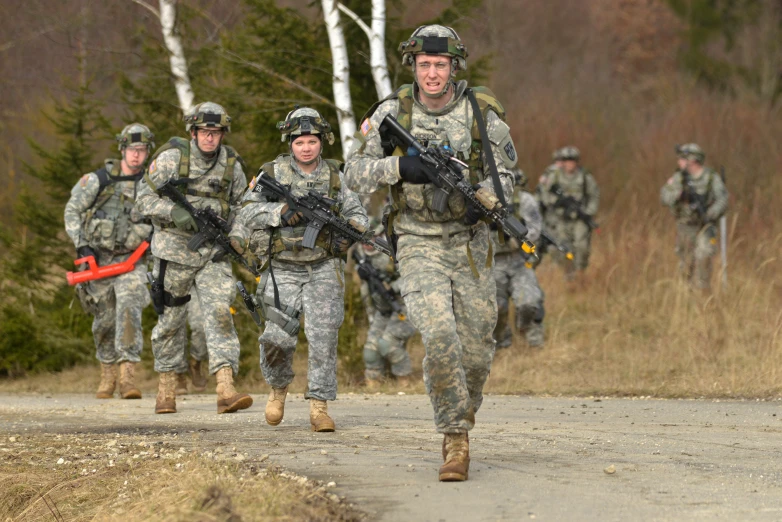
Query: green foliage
[40,328]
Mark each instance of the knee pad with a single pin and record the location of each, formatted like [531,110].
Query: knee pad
[372,358]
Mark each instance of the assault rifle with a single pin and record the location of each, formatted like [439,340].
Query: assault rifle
[318,212]
[696,202]
[572,206]
[447,177]
[546,239]
[211,227]
[377,283]
[251,303]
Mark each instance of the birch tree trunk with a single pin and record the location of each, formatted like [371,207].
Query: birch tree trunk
[176,53]
[341,76]
[377,52]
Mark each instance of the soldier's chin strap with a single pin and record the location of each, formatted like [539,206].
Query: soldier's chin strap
[495,175]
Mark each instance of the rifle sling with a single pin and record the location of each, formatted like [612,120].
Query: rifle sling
[487,150]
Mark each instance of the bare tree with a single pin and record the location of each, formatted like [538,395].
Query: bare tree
[377,52]
[176,53]
[341,76]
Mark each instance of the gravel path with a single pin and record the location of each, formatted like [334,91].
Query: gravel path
[532,458]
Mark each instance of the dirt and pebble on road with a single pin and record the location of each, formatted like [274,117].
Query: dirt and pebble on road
[532,458]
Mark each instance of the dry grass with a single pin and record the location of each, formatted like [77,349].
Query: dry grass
[117,480]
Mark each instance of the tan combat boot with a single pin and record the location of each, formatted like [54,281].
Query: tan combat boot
[197,376]
[181,384]
[275,406]
[403,381]
[108,381]
[372,384]
[457,457]
[228,399]
[319,416]
[166,393]
[127,381]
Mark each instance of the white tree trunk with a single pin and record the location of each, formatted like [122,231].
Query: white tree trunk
[377,52]
[341,78]
[184,90]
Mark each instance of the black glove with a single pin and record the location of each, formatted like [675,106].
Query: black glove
[412,169]
[84,251]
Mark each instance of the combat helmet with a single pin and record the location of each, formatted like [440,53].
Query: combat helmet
[303,121]
[570,153]
[209,115]
[135,133]
[693,151]
[435,39]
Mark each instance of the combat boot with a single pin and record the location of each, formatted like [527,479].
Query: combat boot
[197,376]
[373,384]
[127,381]
[319,416]
[228,399]
[403,381]
[166,393]
[181,384]
[275,406]
[108,381]
[456,457]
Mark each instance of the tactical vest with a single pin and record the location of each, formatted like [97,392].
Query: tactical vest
[682,208]
[405,96]
[107,221]
[555,177]
[290,238]
[222,194]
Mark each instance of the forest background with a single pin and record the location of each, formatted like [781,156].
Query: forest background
[624,80]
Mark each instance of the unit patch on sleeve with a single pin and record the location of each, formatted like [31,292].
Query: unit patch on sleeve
[366,126]
[510,151]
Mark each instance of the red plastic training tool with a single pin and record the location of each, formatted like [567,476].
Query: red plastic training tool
[101,272]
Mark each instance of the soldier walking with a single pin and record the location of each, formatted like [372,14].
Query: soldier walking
[300,280]
[515,276]
[210,175]
[101,222]
[571,198]
[697,198]
[445,257]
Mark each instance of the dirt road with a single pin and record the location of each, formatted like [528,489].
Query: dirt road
[532,458]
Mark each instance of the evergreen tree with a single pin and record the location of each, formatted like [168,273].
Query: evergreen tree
[40,326]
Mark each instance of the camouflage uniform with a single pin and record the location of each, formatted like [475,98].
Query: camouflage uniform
[445,266]
[388,333]
[195,320]
[103,218]
[212,280]
[517,280]
[696,236]
[581,186]
[308,280]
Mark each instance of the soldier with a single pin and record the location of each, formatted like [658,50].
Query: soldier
[211,176]
[515,275]
[389,329]
[445,258]
[303,280]
[698,198]
[571,198]
[101,221]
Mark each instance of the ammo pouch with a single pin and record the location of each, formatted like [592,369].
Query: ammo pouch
[287,318]
[100,231]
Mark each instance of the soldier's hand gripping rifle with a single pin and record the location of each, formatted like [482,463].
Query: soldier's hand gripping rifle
[211,227]
[447,177]
[572,206]
[318,212]
[377,283]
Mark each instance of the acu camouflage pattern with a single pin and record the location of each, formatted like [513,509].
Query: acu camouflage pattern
[385,345]
[581,186]
[454,311]
[214,282]
[117,302]
[515,280]
[308,280]
[696,239]
[195,320]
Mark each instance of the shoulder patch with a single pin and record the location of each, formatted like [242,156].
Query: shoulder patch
[510,151]
[670,180]
[366,126]
[252,183]
[83,181]
[153,166]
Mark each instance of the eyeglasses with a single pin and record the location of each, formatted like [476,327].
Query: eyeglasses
[137,149]
[210,133]
[439,66]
